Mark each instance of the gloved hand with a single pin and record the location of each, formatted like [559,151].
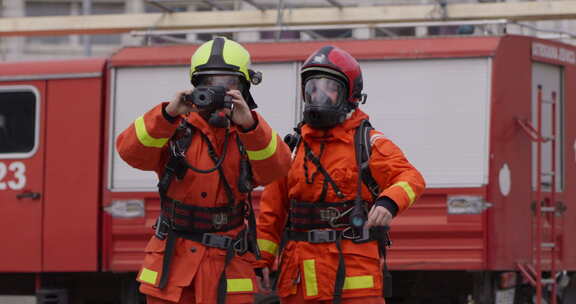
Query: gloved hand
[179,106]
[382,212]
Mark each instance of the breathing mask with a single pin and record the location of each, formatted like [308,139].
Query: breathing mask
[324,101]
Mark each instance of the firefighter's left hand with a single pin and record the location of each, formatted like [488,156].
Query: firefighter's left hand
[378,216]
[240,114]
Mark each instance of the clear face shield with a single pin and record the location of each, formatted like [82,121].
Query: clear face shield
[324,102]
[324,92]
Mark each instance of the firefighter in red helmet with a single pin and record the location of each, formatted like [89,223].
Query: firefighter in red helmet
[209,149]
[329,216]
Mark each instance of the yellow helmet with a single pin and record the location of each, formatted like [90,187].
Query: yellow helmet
[223,56]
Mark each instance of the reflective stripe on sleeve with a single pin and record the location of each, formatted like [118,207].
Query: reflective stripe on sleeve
[145,138]
[268,246]
[266,152]
[408,189]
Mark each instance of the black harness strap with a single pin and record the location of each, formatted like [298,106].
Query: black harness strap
[340,274]
[316,161]
[189,218]
[222,282]
[245,185]
[174,168]
[168,227]
[167,260]
[362,149]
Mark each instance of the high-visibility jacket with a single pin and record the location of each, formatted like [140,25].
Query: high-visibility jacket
[314,265]
[144,145]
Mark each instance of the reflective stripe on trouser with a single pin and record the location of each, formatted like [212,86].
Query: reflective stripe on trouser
[298,298]
[268,246]
[350,282]
[188,296]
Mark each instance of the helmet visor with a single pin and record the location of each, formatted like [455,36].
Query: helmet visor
[230,82]
[324,92]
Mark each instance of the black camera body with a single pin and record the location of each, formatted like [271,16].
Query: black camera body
[209,97]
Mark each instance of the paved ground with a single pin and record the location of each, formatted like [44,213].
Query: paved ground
[18,299]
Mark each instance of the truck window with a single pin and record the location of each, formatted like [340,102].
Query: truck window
[17,121]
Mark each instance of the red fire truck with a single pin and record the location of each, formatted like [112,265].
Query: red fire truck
[486,119]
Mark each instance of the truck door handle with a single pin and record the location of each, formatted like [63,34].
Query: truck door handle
[28,194]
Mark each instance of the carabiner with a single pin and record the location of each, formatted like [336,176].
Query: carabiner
[333,219]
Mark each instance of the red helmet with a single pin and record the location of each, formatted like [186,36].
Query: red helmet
[339,63]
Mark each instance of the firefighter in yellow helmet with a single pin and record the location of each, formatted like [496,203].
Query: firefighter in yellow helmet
[209,149]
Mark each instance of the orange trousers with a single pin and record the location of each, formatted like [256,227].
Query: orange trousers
[298,298]
[188,297]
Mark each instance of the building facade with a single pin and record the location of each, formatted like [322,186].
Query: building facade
[78,46]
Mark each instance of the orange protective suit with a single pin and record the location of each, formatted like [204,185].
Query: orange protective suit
[195,268]
[308,270]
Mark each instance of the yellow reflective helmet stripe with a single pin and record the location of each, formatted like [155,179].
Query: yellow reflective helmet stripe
[408,189]
[266,152]
[357,282]
[233,53]
[267,246]
[148,276]
[239,285]
[236,54]
[145,138]
[310,279]
[201,55]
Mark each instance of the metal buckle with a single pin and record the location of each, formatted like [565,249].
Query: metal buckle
[329,213]
[161,228]
[321,236]
[350,234]
[216,240]
[219,220]
[241,244]
[333,220]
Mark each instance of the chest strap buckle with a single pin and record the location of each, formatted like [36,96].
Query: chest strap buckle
[321,236]
[216,240]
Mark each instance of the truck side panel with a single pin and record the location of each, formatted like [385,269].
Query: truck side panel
[73,174]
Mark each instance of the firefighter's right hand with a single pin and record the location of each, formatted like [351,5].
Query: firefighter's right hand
[179,106]
[264,281]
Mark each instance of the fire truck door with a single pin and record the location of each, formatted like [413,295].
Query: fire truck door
[22,108]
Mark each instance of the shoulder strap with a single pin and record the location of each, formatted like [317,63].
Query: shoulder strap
[175,167]
[245,177]
[363,150]
[293,140]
